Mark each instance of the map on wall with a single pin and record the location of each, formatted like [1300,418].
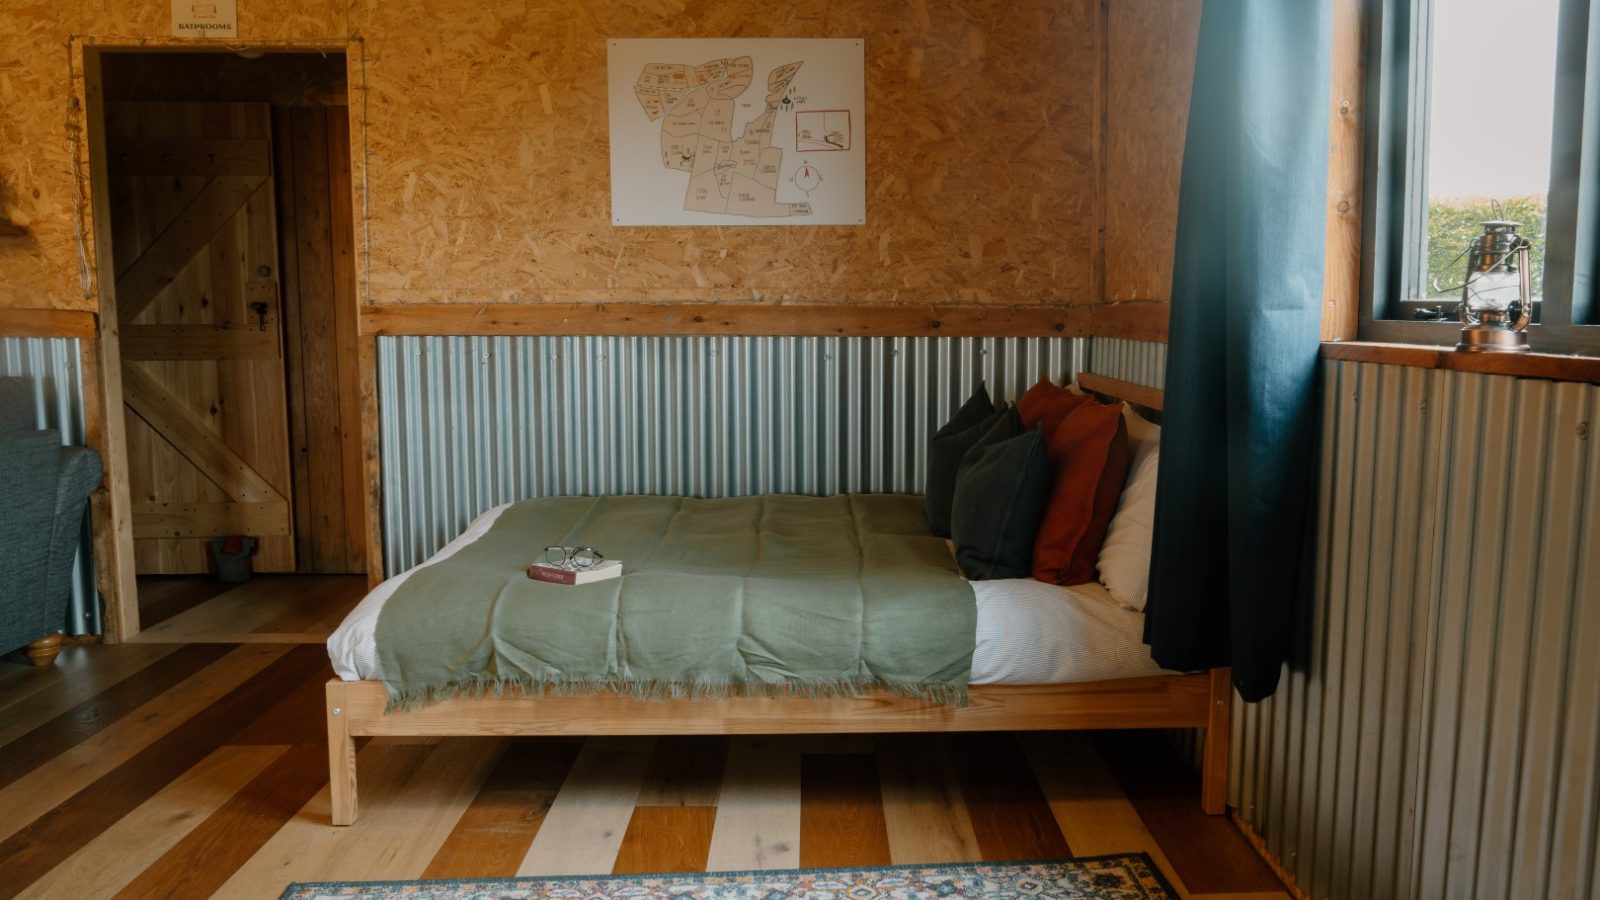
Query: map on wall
[738,131]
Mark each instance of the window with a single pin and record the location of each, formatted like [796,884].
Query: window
[1478,111]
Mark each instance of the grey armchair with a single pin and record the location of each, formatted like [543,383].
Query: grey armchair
[44,488]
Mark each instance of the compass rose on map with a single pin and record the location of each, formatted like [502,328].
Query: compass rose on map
[806,178]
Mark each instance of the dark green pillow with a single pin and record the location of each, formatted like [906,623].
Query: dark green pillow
[1004,425]
[950,443]
[999,502]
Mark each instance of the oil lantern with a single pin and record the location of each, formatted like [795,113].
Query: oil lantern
[1496,301]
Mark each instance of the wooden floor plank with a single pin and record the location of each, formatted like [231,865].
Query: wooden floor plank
[297,717]
[585,825]
[666,839]
[238,611]
[1009,814]
[1207,852]
[200,863]
[320,597]
[401,835]
[493,835]
[685,771]
[758,808]
[77,675]
[73,726]
[21,680]
[104,865]
[841,811]
[1089,806]
[923,810]
[308,847]
[163,596]
[131,777]
[79,767]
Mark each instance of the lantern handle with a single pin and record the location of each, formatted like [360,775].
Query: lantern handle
[1525,314]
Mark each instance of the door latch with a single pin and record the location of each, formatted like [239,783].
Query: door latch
[261,313]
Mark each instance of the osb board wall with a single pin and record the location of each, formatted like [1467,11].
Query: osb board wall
[486,165]
[1149,42]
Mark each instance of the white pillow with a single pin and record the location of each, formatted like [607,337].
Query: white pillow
[1125,553]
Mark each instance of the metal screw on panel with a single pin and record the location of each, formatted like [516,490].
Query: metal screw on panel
[1583,431]
[263,271]
[337,711]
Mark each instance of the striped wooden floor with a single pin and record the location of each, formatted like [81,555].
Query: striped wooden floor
[192,764]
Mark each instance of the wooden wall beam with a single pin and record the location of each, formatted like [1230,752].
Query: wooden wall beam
[1551,366]
[1136,394]
[72,323]
[1342,268]
[1145,321]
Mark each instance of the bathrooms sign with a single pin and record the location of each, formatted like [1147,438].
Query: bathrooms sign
[205,18]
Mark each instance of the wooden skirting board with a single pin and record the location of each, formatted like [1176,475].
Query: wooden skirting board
[1203,700]
[1145,321]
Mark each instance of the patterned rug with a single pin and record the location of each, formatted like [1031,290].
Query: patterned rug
[1123,877]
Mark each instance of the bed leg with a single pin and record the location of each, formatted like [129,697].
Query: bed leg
[341,757]
[1214,767]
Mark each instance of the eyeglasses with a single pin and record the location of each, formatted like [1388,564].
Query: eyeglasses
[573,557]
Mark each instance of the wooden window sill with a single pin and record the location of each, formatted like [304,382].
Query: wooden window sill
[1549,366]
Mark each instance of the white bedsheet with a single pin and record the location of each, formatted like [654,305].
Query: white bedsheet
[1028,632]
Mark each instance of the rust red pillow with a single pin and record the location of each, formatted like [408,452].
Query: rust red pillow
[1090,454]
[1048,403]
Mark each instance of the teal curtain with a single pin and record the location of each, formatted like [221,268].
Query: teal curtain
[1233,507]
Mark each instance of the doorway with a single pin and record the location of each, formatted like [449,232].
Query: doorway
[232,242]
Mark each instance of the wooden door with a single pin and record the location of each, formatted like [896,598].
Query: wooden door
[194,240]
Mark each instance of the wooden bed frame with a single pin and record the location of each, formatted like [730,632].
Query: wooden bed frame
[1200,700]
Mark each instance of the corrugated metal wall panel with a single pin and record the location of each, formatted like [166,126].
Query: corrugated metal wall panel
[1141,362]
[52,364]
[1439,735]
[471,422]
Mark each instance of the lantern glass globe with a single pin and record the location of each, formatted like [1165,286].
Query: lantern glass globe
[1492,291]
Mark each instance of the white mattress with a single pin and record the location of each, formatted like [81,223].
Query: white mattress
[1028,632]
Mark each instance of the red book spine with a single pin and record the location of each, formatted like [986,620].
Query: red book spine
[551,575]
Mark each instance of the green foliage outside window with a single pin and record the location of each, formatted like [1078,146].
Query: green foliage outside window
[1455,223]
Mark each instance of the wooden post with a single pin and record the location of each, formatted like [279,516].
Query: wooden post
[1214,768]
[341,757]
[101,357]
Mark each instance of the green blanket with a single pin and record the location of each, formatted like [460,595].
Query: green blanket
[782,594]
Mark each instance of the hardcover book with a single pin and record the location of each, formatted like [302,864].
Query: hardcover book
[611,568]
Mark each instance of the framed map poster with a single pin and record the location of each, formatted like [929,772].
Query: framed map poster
[738,131]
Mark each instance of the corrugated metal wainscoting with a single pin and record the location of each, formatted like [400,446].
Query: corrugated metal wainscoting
[471,422]
[52,365]
[1441,736]
[1141,362]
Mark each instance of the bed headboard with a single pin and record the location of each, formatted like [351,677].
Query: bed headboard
[1137,395]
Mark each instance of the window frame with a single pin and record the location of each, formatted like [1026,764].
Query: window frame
[1399,42]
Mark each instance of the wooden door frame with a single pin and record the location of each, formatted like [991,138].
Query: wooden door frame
[100,352]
